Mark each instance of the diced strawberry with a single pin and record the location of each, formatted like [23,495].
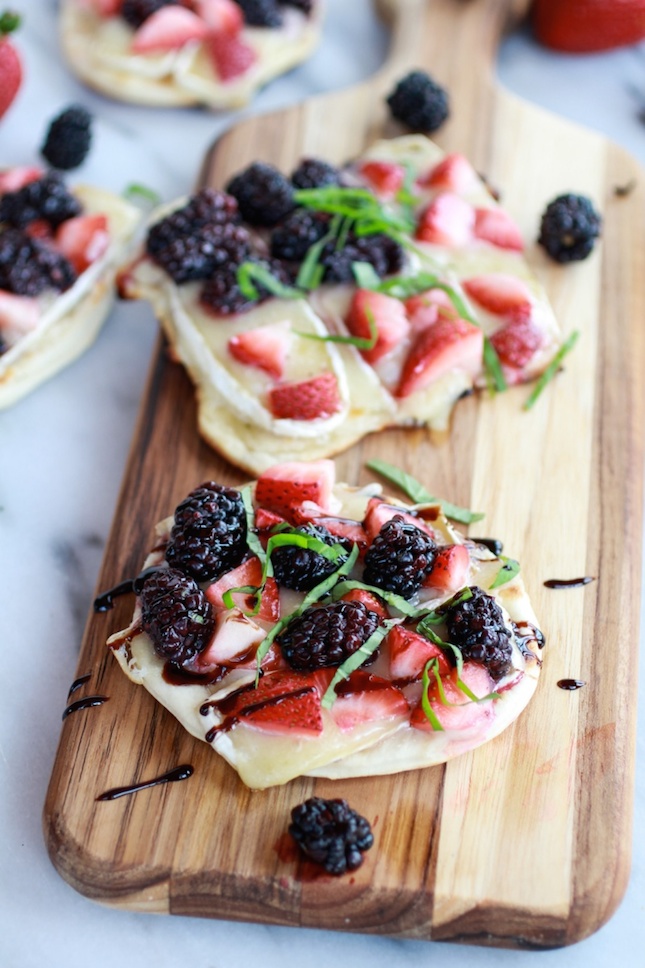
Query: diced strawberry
[224,15]
[409,653]
[517,342]
[464,714]
[265,347]
[496,226]
[499,293]
[169,28]
[363,698]
[425,308]
[448,220]
[105,8]
[454,173]
[283,702]
[449,344]
[83,239]
[450,569]
[374,309]
[314,399]
[370,601]
[19,315]
[285,486]
[379,512]
[231,56]
[265,520]
[13,179]
[385,178]
[345,528]
[234,641]
[248,573]
[39,229]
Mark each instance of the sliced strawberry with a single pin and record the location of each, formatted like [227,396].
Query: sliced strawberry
[10,61]
[384,177]
[234,641]
[266,347]
[221,15]
[285,486]
[379,512]
[517,342]
[248,573]
[19,315]
[370,601]
[314,399]
[448,220]
[581,26]
[464,714]
[454,173]
[499,293]
[425,308]
[409,653]
[496,226]
[374,309]
[83,239]
[169,28]
[450,569]
[283,702]
[13,179]
[231,56]
[265,520]
[364,698]
[448,345]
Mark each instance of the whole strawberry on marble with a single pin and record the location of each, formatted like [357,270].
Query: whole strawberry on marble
[582,26]
[10,63]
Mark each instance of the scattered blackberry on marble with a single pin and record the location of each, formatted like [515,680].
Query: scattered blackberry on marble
[208,536]
[476,626]
[569,228]
[419,102]
[45,199]
[176,615]
[400,557]
[207,207]
[326,635]
[331,834]
[315,173]
[260,13]
[292,239]
[222,295]
[68,138]
[136,12]
[263,194]
[29,266]
[198,256]
[300,568]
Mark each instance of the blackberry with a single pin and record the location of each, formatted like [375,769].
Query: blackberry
[305,5]
[383,253]
[477,627]
[47,199]
[419,102]
[208,207]
[293,238]
[315,173]
[263,194]
[569,228]
[208,537]
[198,256]
[176,615]
[68,138]
[222,295]
[330,833]
[400,557]
[300,568]
[29,267]
[260,13]
[327,635]
[135,12]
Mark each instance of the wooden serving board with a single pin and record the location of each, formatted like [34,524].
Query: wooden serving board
[526,841]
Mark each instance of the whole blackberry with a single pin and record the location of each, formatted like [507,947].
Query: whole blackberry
[29,267]
[569,228]
[301,569]
[68,138]
[293,238]
[305,5]
[208,537]
[477,627]
[419,102]
[207,207]
[47,199]
[263,194]
[315,173]
[400,557]
[384,253]
[198,256]
[135,12]
[260,13]
[222,295]
[176,615]
[330,833]
[327,635]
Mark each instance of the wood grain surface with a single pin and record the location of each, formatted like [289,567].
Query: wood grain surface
[526,841]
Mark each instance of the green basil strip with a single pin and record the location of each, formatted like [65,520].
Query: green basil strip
[253,542]
[396,601]
[437,615]
[356,660]
[141,195]
[418,493]
[255,590]
[494,372]
[360,342]
[402,287]
[366,275]
[552,369]
[510,568]
[251,272]
[311,271]
[430,714]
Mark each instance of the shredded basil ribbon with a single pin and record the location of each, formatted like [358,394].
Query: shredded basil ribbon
[552,369]
[418,494]
[510,568]
[356,660]
[251,272]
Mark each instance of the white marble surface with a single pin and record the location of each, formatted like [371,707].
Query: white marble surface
[63,451]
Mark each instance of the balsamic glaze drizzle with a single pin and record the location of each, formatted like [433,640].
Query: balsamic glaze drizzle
[172,776]
[84,703]
[493,544]
[105,601]
[568,582]
[77,684]
[571,684]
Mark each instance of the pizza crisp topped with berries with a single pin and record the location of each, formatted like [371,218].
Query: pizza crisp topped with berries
[305,627]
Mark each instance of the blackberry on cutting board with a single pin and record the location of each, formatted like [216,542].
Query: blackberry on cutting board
[68,139]
[47,199]
[302,569]
[208,537]
[29,267]
[292,239]
[569,228]
[477,627]
[263,194]
[260,13]
[400,557]
[136,12]
[330,833]
[327,635]
[176,615]
[315,173]
[419,102]
[207,207]
[198,256]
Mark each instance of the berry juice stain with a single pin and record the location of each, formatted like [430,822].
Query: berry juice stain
[172,776]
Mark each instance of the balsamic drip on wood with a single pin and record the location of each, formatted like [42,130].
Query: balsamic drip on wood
[105,601]
[77,684]
[84,703]
[172,776]
[571,684]
[568,582]
[493,544]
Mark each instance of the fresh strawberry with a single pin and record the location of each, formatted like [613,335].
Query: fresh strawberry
[19,315]
[15,178]
[231,56]
[496,226]
[83,240]
[344,528]
[10,63]
[221,15]
[374,309]
[449,344]
[104,8]
[499,293]
[266,347]
[450,569]
[409,653]
[454,173]
[39,229]
[425,308]
[378,512]
[363,698]
[385,178]
[448,220]
[516,342]
[463,714]
[314,399]
[582,26]
[248,573]
[283,702]
[285,486]
[169,28]
[370,601]
[234,642]
[265,520]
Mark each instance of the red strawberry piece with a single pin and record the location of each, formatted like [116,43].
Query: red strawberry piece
[345,528]
[370,601]
[448,345]
[13,179]
[364,698]
[499,293]
[105,8]
[221,15]
[496,226]
[374,309]
[19,315]
[265,520]
[409,653]
[454,173]
[231,56]
[581,26]
[314,399]
[464,714]
[517,342]
[83,239]
[39,229]
[385,178]
[266,348]
[426,307]
[281,703]
[233,643]
[169,28]
[285,486]
[448,220]
[379,512]
[248,573]
[450,569]
[10,63]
